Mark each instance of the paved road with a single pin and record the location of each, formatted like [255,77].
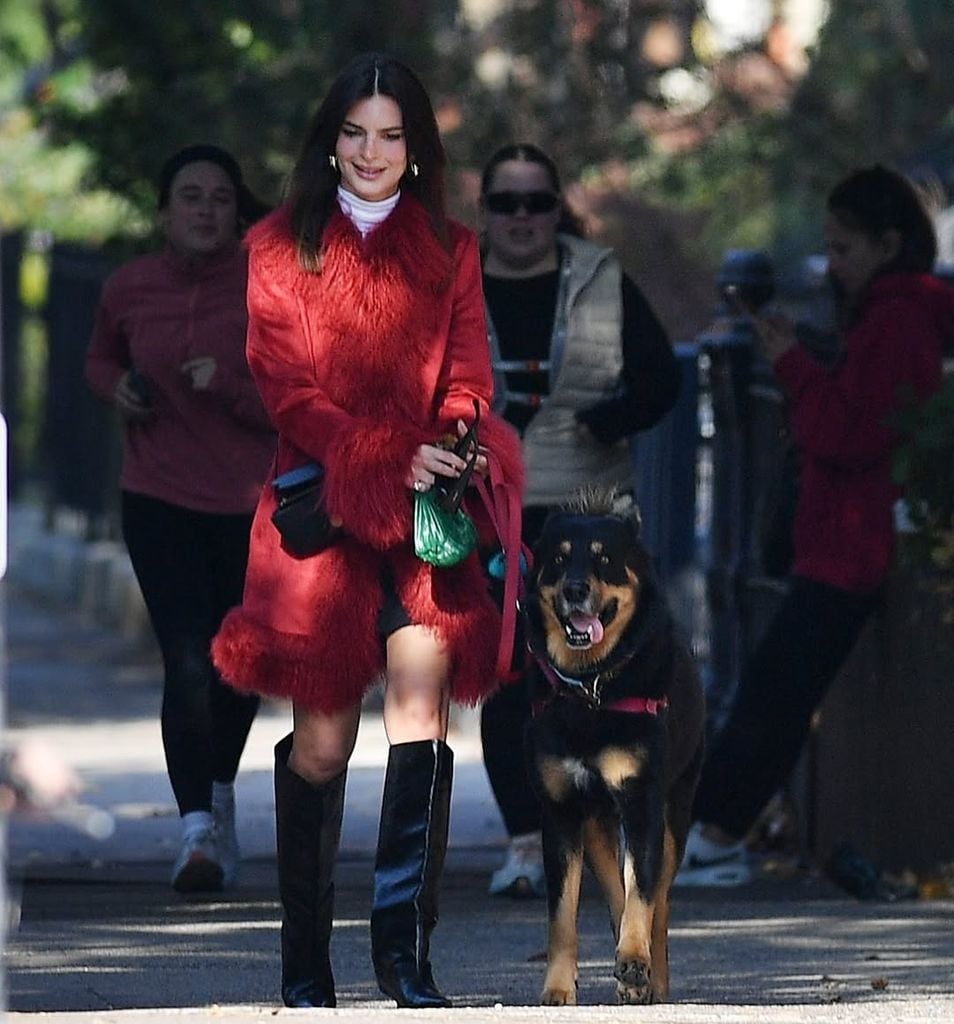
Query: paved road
[99,936]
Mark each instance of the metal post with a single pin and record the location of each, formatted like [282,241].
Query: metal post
[727,358]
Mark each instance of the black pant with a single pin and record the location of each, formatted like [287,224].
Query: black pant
[503,722]
[191,570]
[804,646]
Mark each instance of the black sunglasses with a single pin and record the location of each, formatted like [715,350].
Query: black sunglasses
[510,202]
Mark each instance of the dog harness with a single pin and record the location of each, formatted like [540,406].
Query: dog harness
[590,692]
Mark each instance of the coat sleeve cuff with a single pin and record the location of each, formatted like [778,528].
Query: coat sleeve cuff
[364,483]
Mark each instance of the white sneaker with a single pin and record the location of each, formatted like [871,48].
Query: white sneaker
[197,868]
[522,872]
[709,863]
[226,838]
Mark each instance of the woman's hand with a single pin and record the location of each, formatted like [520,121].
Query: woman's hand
[775,334]
[131,404]
[430,461]
[200,370]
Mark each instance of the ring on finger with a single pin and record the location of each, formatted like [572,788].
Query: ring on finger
[420,486]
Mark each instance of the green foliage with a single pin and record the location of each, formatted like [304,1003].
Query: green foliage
[244,75]
[114,86]
[566,77]
[43,187]
[878,88]
[731,180]
[923,466]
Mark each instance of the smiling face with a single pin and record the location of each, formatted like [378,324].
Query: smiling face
[371,149]
[520,243]
[854,257]
[201,216]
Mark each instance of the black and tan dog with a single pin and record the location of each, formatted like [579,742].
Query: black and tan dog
[616,747]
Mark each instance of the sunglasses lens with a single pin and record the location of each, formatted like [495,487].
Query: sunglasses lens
[510,202]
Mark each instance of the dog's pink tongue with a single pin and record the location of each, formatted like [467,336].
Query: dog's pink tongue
[588,624]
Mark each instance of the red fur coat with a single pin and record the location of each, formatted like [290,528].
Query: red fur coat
[358,365]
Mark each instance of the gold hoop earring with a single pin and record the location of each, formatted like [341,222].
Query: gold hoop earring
[415,170]
[333,161]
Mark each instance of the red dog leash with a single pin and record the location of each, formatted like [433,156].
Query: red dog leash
[502,502]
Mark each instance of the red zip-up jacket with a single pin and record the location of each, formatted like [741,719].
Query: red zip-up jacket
[210,450]
[844,526]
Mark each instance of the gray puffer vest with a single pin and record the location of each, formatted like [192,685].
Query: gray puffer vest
[586,357]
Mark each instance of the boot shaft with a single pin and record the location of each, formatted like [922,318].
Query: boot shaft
[412,843]
[415,815]
[308,830]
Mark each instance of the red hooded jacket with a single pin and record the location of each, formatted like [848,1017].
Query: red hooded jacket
[206,450]
[358,365]
[844,528]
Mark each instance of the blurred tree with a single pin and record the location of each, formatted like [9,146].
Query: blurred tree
[244,74]
[630,94]
[566,74]
[44,186]
[772,138]
[879,88]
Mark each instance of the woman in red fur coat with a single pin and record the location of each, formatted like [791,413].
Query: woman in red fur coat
[368,343]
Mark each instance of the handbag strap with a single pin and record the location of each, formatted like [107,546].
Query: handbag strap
[502,501]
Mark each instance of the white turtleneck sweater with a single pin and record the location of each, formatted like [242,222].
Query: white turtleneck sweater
[363,213]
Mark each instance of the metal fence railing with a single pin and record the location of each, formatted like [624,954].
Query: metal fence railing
[80,440]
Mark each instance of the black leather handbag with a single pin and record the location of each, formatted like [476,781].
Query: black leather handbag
[300,517]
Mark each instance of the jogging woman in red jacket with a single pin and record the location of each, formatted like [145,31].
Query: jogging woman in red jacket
[168,352]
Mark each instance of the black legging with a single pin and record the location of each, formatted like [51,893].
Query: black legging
[799,656]
[191,570]
[503,722]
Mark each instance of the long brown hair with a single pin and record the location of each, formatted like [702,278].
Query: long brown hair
[314,182]
[874,200]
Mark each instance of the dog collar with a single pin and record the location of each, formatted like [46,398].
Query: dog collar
[589,690]
[639,705]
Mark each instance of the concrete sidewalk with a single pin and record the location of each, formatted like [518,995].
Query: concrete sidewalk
[100,936]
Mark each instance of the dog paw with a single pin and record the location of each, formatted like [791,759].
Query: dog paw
[558,995]
[633,987]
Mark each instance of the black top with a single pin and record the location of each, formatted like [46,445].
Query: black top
[523,310]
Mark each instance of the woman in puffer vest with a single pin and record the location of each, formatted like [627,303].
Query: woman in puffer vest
[581,363]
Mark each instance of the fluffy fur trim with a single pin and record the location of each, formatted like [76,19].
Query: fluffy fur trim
[456,605]
[364,485]
[325,674]
[307,629]
[405,238]
[254,658]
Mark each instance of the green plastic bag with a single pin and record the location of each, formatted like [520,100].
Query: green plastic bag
[441,538]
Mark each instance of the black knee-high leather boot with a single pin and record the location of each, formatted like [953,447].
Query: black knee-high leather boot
[412,842]
[308,827]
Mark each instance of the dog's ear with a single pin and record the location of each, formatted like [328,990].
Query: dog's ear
[540,549]
[634,524]
[637,557]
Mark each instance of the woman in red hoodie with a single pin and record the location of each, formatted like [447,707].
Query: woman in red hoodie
[895,320]
[368,342]
[168,351]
